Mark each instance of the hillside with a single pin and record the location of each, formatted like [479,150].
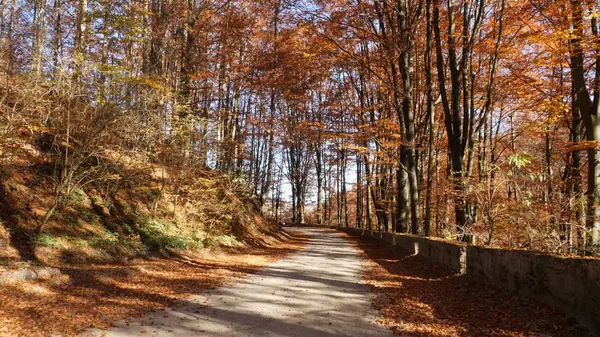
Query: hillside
[134,208]
[123,243]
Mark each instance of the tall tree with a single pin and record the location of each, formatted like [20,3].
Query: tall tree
[589,109]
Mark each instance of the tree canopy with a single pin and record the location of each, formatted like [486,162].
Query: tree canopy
[472,119]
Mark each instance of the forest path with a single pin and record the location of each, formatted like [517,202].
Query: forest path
[318,291]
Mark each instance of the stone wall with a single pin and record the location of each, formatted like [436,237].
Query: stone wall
[450,254]
[571,285]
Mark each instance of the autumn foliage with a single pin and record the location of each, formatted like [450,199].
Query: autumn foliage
[474,120]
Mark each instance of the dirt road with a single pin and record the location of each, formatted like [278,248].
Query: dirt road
[317,291]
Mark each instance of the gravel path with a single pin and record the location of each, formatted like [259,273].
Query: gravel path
[317,291]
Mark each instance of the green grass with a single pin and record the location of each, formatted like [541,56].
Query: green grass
[77,196]
[226,240]
[47,240]
[88,215]
[158,235]
[110,242]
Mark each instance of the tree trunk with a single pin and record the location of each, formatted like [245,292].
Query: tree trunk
[431,120]
[272,106]
[452,117]
[590,113]
[319,170]
[79,47]
[402,195]
[57,44]
[407,117]
[343,190]
[369,188]
[39,37]
[359,191]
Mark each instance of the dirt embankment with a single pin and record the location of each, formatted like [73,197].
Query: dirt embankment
[122,206]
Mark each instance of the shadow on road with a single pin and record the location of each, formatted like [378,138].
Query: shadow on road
[96,295]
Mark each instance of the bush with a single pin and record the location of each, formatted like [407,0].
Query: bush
[158,235]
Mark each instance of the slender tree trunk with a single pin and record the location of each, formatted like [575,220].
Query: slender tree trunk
[402,198]
[574,180]
[359,191]
[343,188]
[338,192]
[407,117]
[57,45]
[431,120]
[593,209]
[369,188]
[451,116]
[79,46]
[319,171]
[273,104]
[3,5]
[39,37]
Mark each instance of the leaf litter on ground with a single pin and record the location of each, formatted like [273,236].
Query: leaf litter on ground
[417,298]
[86,296]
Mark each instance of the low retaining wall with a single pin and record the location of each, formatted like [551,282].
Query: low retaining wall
[571,285]
[452,255]
[389,238]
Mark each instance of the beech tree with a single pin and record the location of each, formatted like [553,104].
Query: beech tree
[462,119]
[588,107]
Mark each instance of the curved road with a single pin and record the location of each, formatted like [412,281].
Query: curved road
[317,291]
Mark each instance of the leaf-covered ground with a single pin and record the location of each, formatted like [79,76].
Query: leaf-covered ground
[417,298]
[87,296]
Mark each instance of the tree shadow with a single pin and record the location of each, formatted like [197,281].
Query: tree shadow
[12,215]
[86,296]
